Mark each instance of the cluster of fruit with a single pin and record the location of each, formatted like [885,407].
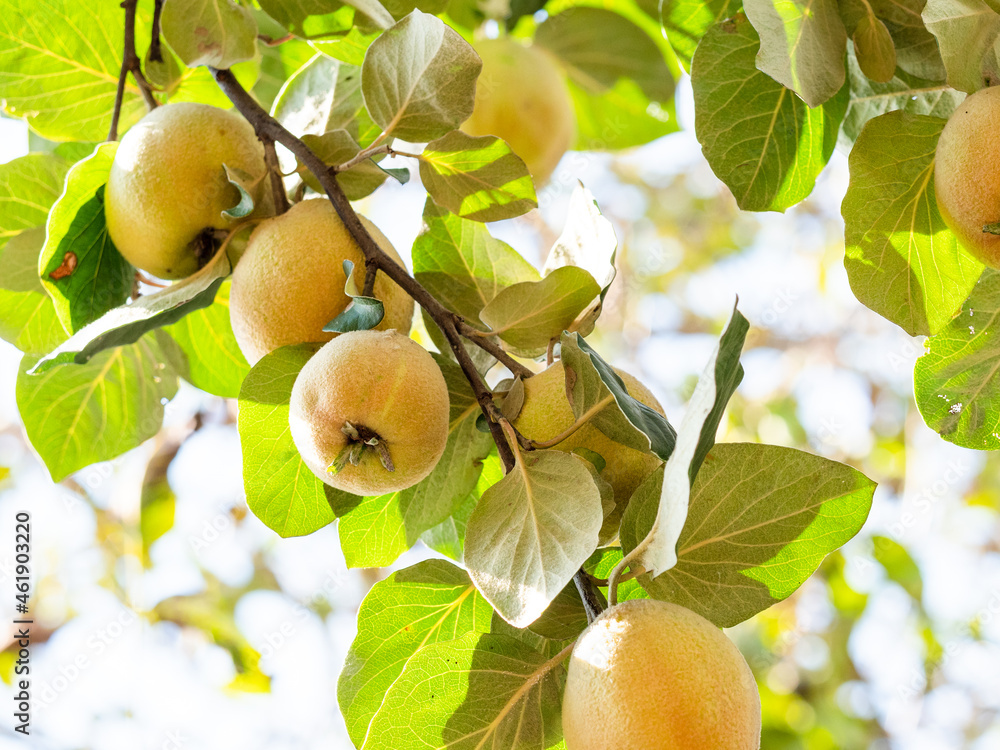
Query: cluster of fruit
[369,412]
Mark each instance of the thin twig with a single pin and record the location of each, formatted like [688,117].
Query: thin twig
[492,347]
[155,50]
[130,64]
[274,171]
[591,604]
[371,271]
[362,155]
[270,41]
[267,126]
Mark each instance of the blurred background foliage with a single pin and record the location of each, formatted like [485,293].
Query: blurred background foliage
[166,613]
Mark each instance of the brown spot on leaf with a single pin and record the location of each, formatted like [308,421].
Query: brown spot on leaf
[67,267]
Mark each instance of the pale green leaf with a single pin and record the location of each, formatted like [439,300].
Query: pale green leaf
[80,266]
[310,18]
[657,551]
[430,602]
[968,34]
[916,48]
[761,519]
[531,532]
[477,178]
[902,261]
[77,415]
[325,95]
[758,137]
[802,45]
[957,382]
[448,537]
[218,33]
[419,79]
[530,314]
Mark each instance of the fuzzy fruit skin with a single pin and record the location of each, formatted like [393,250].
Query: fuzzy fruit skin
[649,675]
[521,96]
[967,174]
[381,380]
[290,281]
[546,413]
[167,184]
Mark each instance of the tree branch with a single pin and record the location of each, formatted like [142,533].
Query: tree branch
[130,64]
[267,127]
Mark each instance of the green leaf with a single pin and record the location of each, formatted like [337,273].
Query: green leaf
[531,532]
[243,183]
[281,490]
[903,91]
[377,530]
[430,602]
[27,318]
[477,178]
[916,48]
[685,22]
[308,18]
[218,33]
[462,265]
[350,48]
[968,34]
[902,261]
[956,383]
[128,323]
[727,375]
[473,692]
[325,95]
[215,362]
[337,147]
[565,618]
[599,47]
[76,416]
[619,118]
[875,52]
[157,502]
[29,186]
[361,314]
[802,45]
[277,65]
[899,566]
[760,521]
[657,551]
[448,537]
[60,61]
[530,314]
[419,79]
[587,241]
[595,389]
[80,266]
[758,137]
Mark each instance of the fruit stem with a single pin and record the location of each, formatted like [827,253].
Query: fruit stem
[130,64]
